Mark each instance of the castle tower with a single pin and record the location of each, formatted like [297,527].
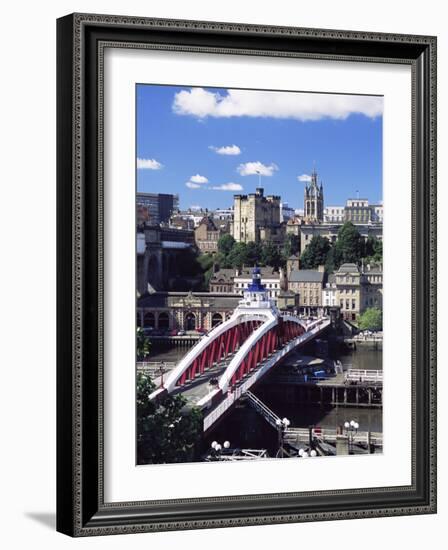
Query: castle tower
[313,202]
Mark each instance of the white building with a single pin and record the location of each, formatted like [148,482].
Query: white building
[334,214]
[329,292]
[271,281]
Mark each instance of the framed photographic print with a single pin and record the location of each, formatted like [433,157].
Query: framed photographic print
[246,274]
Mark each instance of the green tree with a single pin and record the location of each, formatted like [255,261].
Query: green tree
[333,260]
[253,253]
[142,345]
[237,256]
[315,254]
[270,255]
[371,319]
[350,244]
[225,244]
[292,245]
[166,432]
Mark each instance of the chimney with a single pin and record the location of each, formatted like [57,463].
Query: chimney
[321,268]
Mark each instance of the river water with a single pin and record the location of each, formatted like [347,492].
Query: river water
[245,428]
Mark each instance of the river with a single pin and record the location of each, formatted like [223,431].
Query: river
[245,428]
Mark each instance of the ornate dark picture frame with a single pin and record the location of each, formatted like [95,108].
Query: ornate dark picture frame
[81,39]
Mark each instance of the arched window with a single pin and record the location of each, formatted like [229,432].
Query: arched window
[148,320]
[190,321]
[216,319]
[164,320]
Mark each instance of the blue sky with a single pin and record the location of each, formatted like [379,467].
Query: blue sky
[207,144]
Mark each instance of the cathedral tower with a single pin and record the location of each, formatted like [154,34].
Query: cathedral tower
[314,201]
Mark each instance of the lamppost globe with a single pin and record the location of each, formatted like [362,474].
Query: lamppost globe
[213,445]
[305,454]
[356,425]
[313,453]
[218,447]
[347,425]
[301,452]
[226,444]
[278,422]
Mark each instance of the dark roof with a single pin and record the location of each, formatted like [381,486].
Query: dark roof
[209,223]
[306,276]
[227,274]
[264,272]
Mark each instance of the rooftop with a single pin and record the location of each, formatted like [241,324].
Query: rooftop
[306,276]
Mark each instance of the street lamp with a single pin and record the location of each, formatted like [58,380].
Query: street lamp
[305,454]
[217,448]
[351,428]
[282,426]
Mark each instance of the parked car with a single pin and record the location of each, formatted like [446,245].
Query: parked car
[181,333]
[173,332]
[201,330]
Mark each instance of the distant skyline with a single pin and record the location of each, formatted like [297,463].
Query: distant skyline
[207,144]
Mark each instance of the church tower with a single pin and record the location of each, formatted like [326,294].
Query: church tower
[314,201]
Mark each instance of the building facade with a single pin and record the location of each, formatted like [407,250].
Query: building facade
[330,293]
[166,311]
[207,235]
[160,206]
[222,281]
[358,289]
[253,212]
[308,284]
[334,214]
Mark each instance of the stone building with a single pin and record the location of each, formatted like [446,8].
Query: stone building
[359,289]
[206,235]
[308,284]
[358,211]
[372,286]
[348,283]
[222,281]
[185,310]
[314,201]
[253,212]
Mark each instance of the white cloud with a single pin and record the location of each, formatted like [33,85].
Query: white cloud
[227,187]
[198,179]
[148,164]
[192,185]
[226,150]
[304,177]
[300,106]
[257,167]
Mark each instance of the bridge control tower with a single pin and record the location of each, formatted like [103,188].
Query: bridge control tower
[256,296]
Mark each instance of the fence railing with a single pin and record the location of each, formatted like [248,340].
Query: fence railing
[364,375]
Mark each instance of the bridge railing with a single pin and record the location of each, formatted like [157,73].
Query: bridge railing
[330,435]
[364,375]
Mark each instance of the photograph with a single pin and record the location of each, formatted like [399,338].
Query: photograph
[259,274]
